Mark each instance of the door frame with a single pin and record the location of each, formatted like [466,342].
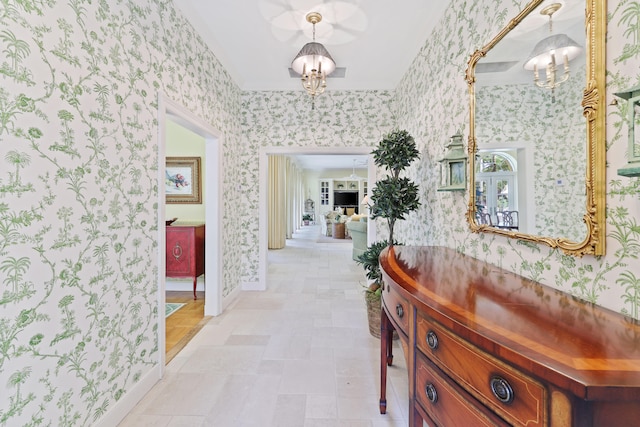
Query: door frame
[173,111]
[263,231]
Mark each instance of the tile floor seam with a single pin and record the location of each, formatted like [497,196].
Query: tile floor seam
[299,358]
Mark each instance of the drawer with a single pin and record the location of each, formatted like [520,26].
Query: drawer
[180,252]
[516,397]
[447,404]
[397,307]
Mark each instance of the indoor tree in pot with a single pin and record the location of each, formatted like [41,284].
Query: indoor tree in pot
[392,198]
[373,291]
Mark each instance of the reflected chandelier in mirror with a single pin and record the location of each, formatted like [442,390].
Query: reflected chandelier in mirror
[537,128]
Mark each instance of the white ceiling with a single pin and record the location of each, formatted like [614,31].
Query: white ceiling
[516,46]
[256,40]
[375,40]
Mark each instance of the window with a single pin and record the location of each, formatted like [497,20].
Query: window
[496,183]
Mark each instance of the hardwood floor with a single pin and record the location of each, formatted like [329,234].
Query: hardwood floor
[182,325]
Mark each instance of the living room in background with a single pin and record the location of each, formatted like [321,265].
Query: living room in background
[311,190]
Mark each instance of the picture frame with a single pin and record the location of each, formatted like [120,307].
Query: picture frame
[183,181]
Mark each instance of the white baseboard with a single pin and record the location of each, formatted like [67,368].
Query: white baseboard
[231,298]
[184,284]
[122,407]
[253,286]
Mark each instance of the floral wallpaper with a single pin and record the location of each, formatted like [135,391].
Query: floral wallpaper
[286,119]
[542,121]
[438,73]
[79,85]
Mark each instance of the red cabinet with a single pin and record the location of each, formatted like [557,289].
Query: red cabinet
[185,251]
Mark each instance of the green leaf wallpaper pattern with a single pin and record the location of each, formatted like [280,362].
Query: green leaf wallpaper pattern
[79,200]
[442,110]
[79,84]
[524,115]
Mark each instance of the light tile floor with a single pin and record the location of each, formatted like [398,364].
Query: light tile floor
[296,355]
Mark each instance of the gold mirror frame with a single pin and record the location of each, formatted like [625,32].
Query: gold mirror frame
[594,111]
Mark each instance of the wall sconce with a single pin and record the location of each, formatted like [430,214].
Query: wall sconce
[453,166]
[632,96]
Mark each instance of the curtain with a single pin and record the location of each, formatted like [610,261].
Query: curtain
[286,200]
[277,202]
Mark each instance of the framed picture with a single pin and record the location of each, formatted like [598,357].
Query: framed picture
[182,180]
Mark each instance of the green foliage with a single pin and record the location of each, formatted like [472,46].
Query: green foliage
[306,217]
[395,152]
[370,263]
[394,197]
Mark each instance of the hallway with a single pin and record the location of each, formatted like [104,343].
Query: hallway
[297,355]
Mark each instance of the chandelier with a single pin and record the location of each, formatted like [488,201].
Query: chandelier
[545,55]
[313,63]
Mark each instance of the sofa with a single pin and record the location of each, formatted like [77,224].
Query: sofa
[358,230]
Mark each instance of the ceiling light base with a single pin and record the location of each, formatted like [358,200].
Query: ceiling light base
[315,17]
[551,9]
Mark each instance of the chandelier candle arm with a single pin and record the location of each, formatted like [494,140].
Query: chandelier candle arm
[545,53]
[314,55]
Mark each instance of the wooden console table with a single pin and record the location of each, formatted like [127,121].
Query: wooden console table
[185,251]
[486,347]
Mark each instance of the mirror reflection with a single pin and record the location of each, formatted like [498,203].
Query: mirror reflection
[531,139]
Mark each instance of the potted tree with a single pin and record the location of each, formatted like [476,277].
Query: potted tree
[392,199]
[373,291]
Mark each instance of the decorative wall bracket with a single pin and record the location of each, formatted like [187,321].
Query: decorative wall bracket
[632,98]
[453,166]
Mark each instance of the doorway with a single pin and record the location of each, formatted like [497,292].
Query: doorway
[169,111]
[496,184]
[264,154]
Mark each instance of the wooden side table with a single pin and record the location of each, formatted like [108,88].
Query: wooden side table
[337,230]
[487,347]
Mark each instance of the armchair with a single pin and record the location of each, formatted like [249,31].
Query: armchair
[358,231]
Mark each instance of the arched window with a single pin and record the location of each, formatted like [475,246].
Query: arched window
[495,161]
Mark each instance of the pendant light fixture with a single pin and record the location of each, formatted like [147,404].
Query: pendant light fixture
[548,51]
[313,63]
[353,171]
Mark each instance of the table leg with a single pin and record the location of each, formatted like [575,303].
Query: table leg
[386,356]
[195,280]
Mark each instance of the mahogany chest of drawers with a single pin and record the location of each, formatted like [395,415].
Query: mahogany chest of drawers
[185,251]
[486,347]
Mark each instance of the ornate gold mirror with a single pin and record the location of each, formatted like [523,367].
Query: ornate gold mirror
[537,128]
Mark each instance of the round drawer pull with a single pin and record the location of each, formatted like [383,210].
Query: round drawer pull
[501,389]
[400,311]
[432,394]
[432,340]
